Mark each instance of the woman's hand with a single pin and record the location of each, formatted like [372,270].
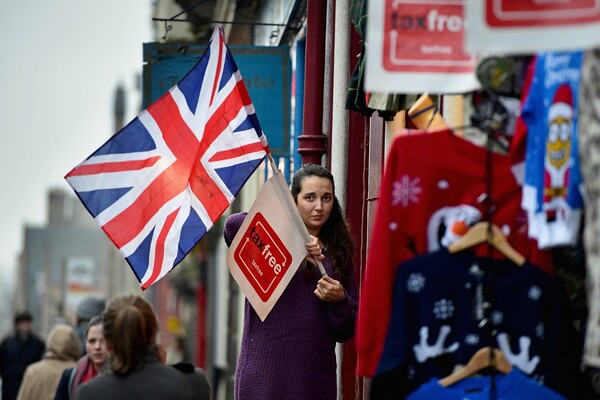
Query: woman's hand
[314,251]
[328,289]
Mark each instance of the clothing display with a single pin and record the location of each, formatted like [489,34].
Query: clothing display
[432,182]
[513,386]
[552,187]
[434,327]
[291,354]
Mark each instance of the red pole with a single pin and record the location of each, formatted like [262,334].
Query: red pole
[312,142]
[201,326]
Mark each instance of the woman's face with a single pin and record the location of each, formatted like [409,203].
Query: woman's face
[315,201]
[96,346]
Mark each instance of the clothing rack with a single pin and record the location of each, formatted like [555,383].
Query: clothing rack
[490,117]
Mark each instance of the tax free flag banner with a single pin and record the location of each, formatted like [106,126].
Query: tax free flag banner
[269,246]
[530,26]
[416,46]
[160,183]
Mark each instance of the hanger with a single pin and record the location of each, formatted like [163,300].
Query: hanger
[481,233]
[480,360]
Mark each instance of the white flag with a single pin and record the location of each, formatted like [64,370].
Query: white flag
[269,246]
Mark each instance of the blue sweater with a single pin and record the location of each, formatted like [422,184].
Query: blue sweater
[433,324]
[513,386]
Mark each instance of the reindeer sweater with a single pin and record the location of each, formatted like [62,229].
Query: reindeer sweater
[434,324]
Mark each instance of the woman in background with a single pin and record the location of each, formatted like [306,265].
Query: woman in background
[88,366]
[137,369]
[63,349]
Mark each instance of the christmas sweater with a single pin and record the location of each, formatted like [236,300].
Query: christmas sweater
[431,181]
[436,322]
[512,386]
[552,188]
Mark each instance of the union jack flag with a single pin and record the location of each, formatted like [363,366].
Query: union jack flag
[159,184]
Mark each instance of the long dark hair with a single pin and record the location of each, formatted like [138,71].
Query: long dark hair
[130,329]
[335,233]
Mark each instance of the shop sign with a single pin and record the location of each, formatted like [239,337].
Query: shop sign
[526,27]
[80,282]
[415,46]
[267,75]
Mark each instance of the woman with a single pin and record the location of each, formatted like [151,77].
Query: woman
[41,378]
[89,365]
[137,367]
[291,354]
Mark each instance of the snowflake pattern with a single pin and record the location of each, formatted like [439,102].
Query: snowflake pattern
[472,339]
[497,317]
[534,292]
[443,309]
[406,191]
[540,330]
[415,282]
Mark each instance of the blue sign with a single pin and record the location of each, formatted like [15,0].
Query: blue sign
[266,72]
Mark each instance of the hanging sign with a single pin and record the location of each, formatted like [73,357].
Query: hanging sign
[414,46]
[529,26]
[269,246]
[266,71]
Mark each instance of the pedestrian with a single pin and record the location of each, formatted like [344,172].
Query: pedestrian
[291,354]
[88,366]
[17,351]
[137,368]
[41,378]
[176,350]
[87,309]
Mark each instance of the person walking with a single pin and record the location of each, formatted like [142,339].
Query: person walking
[87,309]
[291,354]
[137,368]
[88,366]
[17,351]
[41,378]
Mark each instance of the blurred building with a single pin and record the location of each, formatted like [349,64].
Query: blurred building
[69,258]
[65,261]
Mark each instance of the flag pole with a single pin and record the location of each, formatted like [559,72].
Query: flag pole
[292,212]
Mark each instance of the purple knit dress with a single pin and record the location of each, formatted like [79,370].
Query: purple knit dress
[291,355]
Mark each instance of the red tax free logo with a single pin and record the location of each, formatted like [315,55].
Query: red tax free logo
[262,257]
[424,37]
[433,21]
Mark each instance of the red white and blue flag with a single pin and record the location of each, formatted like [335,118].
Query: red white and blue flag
[159,184]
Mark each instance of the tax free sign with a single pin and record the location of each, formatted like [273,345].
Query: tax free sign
[268,247]
[414,46]
[527,27]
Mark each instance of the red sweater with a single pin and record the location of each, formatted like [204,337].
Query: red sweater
[426,176]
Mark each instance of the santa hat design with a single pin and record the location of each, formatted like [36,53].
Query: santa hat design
[562,105]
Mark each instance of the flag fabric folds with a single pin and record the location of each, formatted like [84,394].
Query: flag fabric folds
[160,183]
